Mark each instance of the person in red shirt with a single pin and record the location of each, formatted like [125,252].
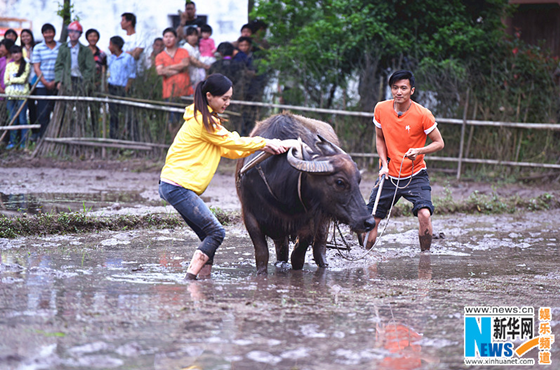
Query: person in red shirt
[401,127]
[172,63]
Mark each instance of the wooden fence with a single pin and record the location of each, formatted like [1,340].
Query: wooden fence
[178,108]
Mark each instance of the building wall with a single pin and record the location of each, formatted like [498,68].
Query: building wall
[225,16]
[538,22]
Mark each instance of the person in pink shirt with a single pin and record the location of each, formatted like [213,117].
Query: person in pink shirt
[206,45]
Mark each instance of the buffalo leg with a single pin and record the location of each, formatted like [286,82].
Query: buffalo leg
[259,241]
[298,254]
[320,245]
[282,249]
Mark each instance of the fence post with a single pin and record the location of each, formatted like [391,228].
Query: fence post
[105,107]
[463,127]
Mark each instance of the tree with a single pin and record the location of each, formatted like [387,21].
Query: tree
[324,44]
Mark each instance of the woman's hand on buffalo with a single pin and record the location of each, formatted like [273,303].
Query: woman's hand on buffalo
[276,146]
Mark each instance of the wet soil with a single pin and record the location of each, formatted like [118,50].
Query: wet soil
[117,299]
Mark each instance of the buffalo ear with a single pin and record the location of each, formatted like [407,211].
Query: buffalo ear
[328,148]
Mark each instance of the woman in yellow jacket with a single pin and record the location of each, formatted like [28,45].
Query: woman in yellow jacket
[193,159]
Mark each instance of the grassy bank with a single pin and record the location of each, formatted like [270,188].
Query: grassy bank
[80,222]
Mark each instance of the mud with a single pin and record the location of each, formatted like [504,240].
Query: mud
[119,300]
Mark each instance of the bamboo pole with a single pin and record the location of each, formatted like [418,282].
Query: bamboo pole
[462,142]
[19,127]
[23,105]
[155,106]
[95,144]
[472,160]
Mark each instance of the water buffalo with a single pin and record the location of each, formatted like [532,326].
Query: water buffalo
[295,195]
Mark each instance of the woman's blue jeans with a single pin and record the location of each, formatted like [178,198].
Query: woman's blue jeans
[13,106]
[197,215]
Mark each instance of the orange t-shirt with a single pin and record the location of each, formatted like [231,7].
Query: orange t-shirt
[177,85]
[402,133]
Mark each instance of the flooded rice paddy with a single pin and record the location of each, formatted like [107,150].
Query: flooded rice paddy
[118,299]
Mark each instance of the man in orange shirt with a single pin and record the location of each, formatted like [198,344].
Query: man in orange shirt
[172,63]
[401,128]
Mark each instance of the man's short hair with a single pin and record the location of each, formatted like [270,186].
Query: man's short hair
[47,27]
[248,26]
[226,49]
[206,28]
[403,74]
[130,18]
[190,2]
[92,30]
[157,39]
[169,29]
[117,41]
[245,38]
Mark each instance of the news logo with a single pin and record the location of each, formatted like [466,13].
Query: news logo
[504,335]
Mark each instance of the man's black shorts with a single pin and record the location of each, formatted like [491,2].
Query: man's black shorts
[419,193]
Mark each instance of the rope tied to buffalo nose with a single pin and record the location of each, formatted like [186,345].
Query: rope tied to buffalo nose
[367,252]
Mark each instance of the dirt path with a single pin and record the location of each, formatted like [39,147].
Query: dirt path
[23,176]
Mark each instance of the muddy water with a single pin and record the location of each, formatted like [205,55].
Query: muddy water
[118,300]
[33,203]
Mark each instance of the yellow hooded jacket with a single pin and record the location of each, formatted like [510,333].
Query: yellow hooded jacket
[195,153]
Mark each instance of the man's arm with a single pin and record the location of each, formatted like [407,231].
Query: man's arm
[381,147]
[436,144]
[136,52]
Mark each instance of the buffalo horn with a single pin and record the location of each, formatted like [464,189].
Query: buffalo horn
[309,166]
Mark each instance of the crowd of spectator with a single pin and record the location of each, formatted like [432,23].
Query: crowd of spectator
[182,57]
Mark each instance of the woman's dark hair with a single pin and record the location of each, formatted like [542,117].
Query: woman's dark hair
[191,30]
[11,31]
[22,63]
[27,30]
[169,29]
[92,30]
[402,75]
[217,85]
[8,43]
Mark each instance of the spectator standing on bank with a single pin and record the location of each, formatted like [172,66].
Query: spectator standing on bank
[122,71]
[75,66]
[133,42]
[206,45]
[189,19]
[44,59]
[99,56]
[172,63]
[5,58]
[157,47]
[197,69]
[16,81]
[246,31]
[244,53]
[11,34]
[28,43]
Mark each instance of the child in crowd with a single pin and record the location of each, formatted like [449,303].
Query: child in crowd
[122,70]
[206,45]
[244,54]
[16,81]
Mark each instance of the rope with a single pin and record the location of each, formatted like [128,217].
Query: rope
[354,259]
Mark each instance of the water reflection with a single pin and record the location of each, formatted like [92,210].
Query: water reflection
[34,203]
[128,304]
